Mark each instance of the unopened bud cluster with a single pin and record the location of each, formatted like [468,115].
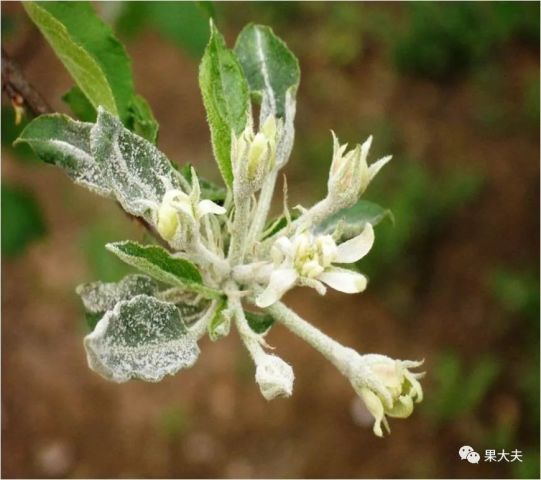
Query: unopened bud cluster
[253,155]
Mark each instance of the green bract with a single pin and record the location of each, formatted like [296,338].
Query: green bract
[219,258]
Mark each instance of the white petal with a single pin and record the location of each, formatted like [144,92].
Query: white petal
[365,148]
[182,203]
[357,247]
[280,282]
[208,206]
[285,245]
[377,166]
[344,280]
[375,407]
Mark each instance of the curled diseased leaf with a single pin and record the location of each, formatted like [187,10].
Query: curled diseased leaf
[137,171]
[142,338]
[100,296]
[59,140]
[104,157]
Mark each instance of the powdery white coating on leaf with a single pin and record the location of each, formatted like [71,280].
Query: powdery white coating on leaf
[137,171]
[100,296]
[285,144]
[142,338]
[59,140]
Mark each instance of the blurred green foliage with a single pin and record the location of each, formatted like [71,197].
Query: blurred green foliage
[173,422]
[102,264]
[529,467]
[10,131]
[22,220]
[532,102]
[460,387]
[186,24]
[442,40]
[517,292]
[421,204]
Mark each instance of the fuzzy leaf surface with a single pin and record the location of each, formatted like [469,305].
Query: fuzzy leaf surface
[351,221]
[136,170]
[82,66]
[226,98]
[59,140]
[99,297]
[269,66]
[142,338]
[159,264]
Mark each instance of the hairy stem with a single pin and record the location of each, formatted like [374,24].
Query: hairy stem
[263,207]
[239,230]
[333,351]
[200,328]
[246,334]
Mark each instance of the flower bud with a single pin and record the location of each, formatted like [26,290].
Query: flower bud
[274,376]
[350,174]
[167,222]
[258,156]
[387,387]
[253,155]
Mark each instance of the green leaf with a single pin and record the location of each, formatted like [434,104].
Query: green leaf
[351,221]
[141,120]
[277,224]
[10,132]
[59,140]
[96,60]
[269,66]
[158,263]
[92,319]
[226,99]
[219,324]
[184,23]
[22,220]
[209,190]
[83,67]
[79,105]
[142,338]
[105,157]
[99,296]
[259,322]
[136,170]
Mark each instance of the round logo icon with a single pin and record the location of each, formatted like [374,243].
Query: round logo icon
[473,457]
[464,451]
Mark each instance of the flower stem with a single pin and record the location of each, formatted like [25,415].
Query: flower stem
[239,230]
[333,351]
[263,207]
[245,332]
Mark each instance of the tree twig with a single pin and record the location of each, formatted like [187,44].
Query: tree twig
[19,90]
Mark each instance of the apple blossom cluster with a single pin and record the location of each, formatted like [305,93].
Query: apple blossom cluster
[219,260]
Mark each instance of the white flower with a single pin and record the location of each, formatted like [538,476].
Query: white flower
[387,387]
[274,377]
[350,174]
[253,154]
[308,259]
[177,202]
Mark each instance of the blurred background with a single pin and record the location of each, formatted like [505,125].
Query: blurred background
[452,91]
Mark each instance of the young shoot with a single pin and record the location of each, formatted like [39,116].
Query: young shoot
[219,262]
